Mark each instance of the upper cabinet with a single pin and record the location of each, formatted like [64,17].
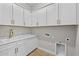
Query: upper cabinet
[5,13]
[27,18]
[63,14]
[34,18]
[52,14]
[41,16]
[18,15]
[67,13]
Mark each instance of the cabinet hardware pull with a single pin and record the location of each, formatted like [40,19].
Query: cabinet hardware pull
[58,21]
[24,23]
[37,23]
[15,50]
[12,21]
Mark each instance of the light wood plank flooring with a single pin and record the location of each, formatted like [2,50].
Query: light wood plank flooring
[39,52]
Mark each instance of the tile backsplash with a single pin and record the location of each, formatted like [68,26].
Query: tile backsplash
[56,33]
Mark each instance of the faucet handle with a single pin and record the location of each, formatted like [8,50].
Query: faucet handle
[11,33]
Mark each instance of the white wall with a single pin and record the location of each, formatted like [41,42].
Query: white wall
[58,33]
[4,31]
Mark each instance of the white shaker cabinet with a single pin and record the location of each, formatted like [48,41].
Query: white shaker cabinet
[52,14]
[16,49]
[5,13]
[67,13]
[4,52]
[30,44]
[34,19]
[8,49]
[18,15]
[13,51]
[27,18]
[41,16]
[20,50]
[33,43]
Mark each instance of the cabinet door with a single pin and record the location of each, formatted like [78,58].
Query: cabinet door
[67,13]
[20,50]
[4,52]
[34,42]
[18,15]
[52,14]
[26,45]
[30,45]
[34,19]
[41,16]
[27,18]
[13,51]
[5,13]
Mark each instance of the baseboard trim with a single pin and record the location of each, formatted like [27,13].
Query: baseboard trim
[51,52]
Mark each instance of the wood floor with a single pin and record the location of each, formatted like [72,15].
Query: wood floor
[39,52]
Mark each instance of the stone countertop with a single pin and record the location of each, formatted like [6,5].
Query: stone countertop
[16,38]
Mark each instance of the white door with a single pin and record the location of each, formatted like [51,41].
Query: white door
[18,15]
[41,16]
[5,13]
[67,13]
[34,19]
[52,14]
[27,18]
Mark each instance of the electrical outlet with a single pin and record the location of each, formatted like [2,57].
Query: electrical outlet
[68,39]
[47,34]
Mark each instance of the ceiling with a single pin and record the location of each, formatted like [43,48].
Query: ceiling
[33,6]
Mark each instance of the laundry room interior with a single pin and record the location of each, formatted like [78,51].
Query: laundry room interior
[39,29]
